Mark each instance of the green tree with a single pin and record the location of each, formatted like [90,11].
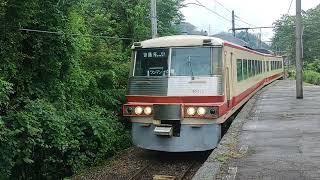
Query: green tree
[61,93]
[284,39]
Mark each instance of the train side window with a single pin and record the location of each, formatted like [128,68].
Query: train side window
[249,68]
[245,69]
[254,67]
[274,65]
[265,66]
[239,70]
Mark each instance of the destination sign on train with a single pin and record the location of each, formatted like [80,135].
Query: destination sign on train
[155,53]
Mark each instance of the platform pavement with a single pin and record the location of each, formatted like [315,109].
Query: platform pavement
[281,137]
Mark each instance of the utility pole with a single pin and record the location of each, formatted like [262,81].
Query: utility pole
[299,75]
[260,39]
[233,25]
[154,23]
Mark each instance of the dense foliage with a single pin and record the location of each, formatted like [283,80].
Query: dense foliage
[60,93]
[284,40]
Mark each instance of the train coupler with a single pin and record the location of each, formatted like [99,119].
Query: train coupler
[163,130]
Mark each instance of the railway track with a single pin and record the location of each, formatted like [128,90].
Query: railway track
[138,164]
[171,168]
[182,176]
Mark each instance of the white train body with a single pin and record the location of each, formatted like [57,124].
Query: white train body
[182,88]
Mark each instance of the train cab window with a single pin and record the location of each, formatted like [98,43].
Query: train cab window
[151,62]
[239,70]
[191,62]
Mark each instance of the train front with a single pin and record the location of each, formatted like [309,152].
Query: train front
[175,93]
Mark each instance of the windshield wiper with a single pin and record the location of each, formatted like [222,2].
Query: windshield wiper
[190,65]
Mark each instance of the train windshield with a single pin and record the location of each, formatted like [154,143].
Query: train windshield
[193,61]
[198,61]
[151,62]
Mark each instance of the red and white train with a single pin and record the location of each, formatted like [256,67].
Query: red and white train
[183,88]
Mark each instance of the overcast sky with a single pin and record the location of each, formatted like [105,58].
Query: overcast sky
[255,12]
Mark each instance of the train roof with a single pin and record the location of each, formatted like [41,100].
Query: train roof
[192,40]
[180,41]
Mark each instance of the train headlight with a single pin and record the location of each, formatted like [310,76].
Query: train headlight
[138,110]
[201,111]
[147,110]
[191,111]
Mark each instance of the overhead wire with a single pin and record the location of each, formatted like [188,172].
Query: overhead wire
[200,4]
[289,7]
[244,21]
[239,18]
[223,6]
[71,34]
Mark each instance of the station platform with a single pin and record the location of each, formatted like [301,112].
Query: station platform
[277,138]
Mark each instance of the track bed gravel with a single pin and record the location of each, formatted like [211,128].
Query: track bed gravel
[158,163]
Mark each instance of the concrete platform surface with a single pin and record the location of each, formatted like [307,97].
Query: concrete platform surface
[282,136]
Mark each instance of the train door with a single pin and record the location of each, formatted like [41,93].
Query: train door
[227,77]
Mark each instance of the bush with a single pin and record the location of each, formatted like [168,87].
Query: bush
[313,66]
[40,142]
[312,77]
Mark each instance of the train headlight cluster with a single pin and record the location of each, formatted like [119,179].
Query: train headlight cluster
[132,110]
[205,112]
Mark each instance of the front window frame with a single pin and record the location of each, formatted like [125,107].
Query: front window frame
[212,74]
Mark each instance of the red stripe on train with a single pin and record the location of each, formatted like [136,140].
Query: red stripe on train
[223,109]
[175,99]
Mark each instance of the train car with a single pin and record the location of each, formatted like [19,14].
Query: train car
[183,88]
